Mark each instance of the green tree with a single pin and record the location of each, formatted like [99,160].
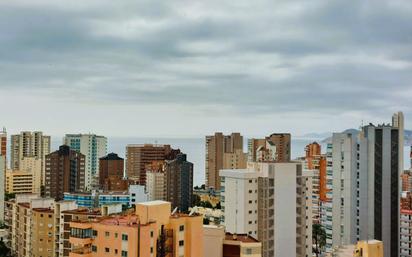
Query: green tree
[9,196]
[318,238]
[218,206]
[196,200]
[4,250]
[206,221]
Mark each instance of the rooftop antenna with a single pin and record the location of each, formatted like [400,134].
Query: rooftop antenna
[174,211]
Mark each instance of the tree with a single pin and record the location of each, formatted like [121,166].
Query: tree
[206,221]
[196,200]
[8,196]
[218,206]
[4,250]
[318,238]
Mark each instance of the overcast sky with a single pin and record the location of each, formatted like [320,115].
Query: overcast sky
[188,68]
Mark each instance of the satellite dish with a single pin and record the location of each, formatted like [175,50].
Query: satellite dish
[174,211]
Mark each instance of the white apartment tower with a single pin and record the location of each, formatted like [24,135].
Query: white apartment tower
[365,169]
[239,200]
[270,198]
[93,147]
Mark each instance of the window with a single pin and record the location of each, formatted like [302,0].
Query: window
[181,243]
[95,233]
[125,238]
[94,248]
[115,235]
[248,251]
[107,250]
[151,234]
[181,228]
[107,234]
[115,251]
[124,253]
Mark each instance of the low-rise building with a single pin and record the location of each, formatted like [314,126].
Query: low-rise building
[151,229]
[19,182]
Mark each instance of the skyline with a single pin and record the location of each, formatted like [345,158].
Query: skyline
[286,66]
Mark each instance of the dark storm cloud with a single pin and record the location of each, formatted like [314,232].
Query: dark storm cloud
[253,57]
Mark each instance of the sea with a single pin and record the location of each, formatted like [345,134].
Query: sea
[195,149]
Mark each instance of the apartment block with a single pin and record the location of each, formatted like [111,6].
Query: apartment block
[316,162]
[92,147]
[254,200]
[34,166]
[406,179]
[275,147]
[152,231]
[179,182]
[19,182]
[29,144]
[65,172]
[3,142]
[140,155]
[406,233]
[156,181]
[223,152]
[111,173]
[2,185]
[24,216]
[42,226]
[239,201]
[365,187]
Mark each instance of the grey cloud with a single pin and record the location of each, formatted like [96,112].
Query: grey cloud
[256,62]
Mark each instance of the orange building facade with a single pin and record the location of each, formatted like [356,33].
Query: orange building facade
[151,229]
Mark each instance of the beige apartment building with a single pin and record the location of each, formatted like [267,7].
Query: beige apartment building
[19,182]
[42,232]
[29,144]
[140,155]
[276,147]
[223,152]
[27,228]
[156,181]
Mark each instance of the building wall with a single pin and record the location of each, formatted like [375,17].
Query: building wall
[92,147]
[138,156]
[42,232]
[19,182]
[216,147]
[34,166]
[239,200]
[65,172]
[179,182]
[213,238]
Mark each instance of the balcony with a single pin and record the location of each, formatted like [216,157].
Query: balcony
[81,252]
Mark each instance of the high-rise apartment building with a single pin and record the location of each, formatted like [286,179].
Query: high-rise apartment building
[253,200]
[27,235]
[92,147]
[316,162]
[223,152]
[179,182]
[19,182]
[111,169]
[32,145]
[239,200]
[34,166]
[138,156]
[65,172]
[2,185]
[275,147]
[406,178]
[42,222]
[365,185]
[3,142]
[156,181]
[152,231]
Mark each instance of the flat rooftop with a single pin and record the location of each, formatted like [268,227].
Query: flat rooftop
[244,238]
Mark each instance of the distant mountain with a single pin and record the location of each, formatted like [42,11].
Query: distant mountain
[407,136]
[351,130]
[317,135]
